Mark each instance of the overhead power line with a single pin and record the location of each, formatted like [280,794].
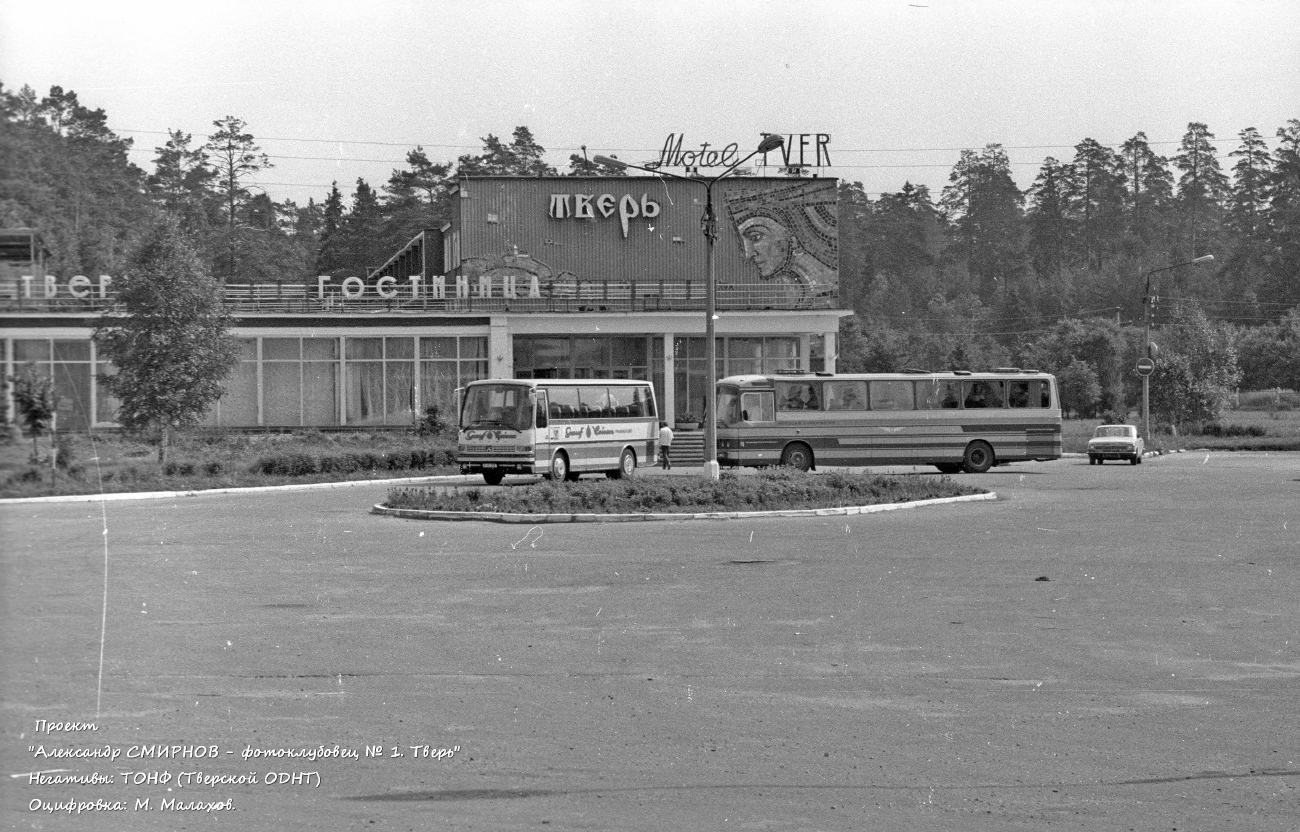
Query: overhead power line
[473,147]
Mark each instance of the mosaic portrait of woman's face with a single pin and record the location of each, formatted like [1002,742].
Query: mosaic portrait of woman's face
[767,243]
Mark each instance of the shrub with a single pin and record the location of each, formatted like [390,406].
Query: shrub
[1216,429]
[431,423]
[290,465]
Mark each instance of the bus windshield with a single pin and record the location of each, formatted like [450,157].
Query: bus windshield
[497,406]
[728,405]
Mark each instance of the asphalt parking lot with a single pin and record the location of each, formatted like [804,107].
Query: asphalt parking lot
[1110,647]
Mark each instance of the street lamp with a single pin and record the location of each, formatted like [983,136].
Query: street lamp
[709,225]
[1149,347]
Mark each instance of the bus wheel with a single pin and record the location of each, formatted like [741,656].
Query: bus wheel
[626,465]
[978,458]
[948,467]
[797,455]
[559,468]
[493,477]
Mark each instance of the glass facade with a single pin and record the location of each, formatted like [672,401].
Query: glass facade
[69,363]
[613,356]
[736,356]
[293,381]
[447,363]
[284,382]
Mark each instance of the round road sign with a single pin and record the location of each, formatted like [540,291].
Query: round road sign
[1145,366]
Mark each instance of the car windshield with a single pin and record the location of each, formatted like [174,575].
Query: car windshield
[1116,430]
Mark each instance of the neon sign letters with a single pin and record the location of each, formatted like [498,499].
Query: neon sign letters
[799,150]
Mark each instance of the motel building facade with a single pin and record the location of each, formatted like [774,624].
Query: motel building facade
[558,277]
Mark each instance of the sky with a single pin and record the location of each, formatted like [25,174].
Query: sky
[341,90]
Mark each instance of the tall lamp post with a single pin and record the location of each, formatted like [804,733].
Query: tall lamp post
[709,225]
[1149,348]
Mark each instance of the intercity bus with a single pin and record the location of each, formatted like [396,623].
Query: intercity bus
[955,421]
[559,428]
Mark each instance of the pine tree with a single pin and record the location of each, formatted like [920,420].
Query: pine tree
[1095,194]
[182,181]
[329,254]
[1050,230]
[235,159]
[984,206]
[522,157]
[415,198]
[1248,202]
[1202,190]
[1150,188]
[1284,217]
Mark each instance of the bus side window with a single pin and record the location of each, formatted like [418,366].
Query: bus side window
[892,395]
[798,395]
[757,407]
[937,394]
[1018,393]
[1046,393]
[542,409]
[982,394]
[566,399]
[845,395]
[594,402]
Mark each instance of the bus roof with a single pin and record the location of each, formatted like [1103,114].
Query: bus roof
[566,382]
[751,380]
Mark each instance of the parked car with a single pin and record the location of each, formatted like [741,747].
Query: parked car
[1115,442]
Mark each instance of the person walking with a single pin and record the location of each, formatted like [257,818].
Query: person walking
[665,445]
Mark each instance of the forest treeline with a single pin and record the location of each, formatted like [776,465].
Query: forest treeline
[981,274]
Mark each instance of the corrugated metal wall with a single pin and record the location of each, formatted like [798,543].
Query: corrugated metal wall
[513,216]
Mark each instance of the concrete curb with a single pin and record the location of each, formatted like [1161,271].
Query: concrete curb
[454,479]
[505,517]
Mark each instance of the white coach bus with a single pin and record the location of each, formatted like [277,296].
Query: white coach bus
[559,428]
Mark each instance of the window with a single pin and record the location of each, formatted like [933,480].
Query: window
[978,394]
[798,395]
[564,402]
[447,363]
[582,357]
[300,381]
[757,407]
[593,402]
[846,395]
[1029,394]
[893,395]
[237,407]
[380,375]
[68,364]
[937,395]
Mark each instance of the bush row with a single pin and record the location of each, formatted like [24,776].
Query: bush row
[302,464]
[1216,429]
[771,489]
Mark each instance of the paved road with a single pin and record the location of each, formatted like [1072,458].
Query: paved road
[1102,648]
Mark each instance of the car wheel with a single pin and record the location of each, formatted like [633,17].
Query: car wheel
[493,477]
[948,467]
[797,455]
[626,466]
[1135,460]
[978,458]
[1139,460]
[1092,460]
[559,470]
